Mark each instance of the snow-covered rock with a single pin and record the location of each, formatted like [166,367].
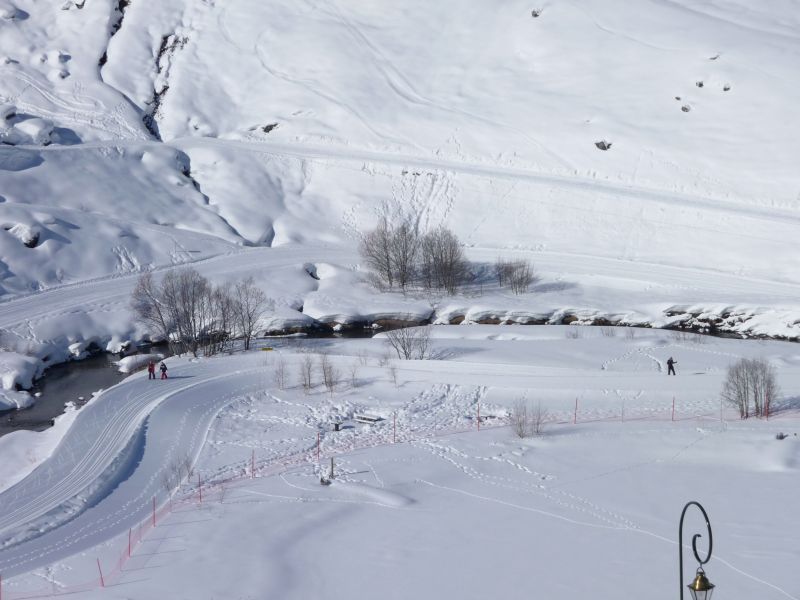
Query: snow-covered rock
[8,10]
[34,131]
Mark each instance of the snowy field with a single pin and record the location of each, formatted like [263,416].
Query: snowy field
[423,504]
[642,155]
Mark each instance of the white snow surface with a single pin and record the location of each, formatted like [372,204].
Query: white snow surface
[259,137]
[460,513]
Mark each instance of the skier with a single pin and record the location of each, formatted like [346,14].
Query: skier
[163,369]
[151,370]
[671,366]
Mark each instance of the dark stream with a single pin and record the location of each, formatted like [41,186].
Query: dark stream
[72,381]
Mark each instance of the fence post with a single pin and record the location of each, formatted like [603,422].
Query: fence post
[622,412]
[575,416]
[130,533]
[253,464]
[102,581]
[200,487]
[673,409]
[394,430]
[154,511]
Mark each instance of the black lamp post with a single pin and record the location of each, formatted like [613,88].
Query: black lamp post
[701,588]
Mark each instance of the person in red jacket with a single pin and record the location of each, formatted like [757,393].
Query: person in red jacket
[151,370]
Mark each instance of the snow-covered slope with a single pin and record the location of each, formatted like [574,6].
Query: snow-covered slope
[161,132]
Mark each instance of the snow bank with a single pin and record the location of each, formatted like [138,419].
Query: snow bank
[17,371]
[129,364]
[23,450]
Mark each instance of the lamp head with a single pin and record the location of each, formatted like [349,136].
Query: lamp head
[701,588]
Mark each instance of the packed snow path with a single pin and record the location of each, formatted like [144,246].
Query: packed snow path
[123,442]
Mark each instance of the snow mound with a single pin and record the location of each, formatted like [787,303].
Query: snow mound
[129,364]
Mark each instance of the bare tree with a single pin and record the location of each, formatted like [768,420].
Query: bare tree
[149,308]
[249,306]
[410,342]
[330,375]
[376,248]
[354,375]
[502,270]
[279,374]
[178,309]
[224,323]
[443,264]
[306,373]
[750,385]
[403,251]
[186,297]
[522,276]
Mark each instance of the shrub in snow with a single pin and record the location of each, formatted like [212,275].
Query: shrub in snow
[515,274]
[750,385]
[603,145]
[528,419]
[410,343]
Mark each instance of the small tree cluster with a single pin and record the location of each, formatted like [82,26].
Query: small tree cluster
[410,343]
[517,275]
[191,313]
[399,257]
[750,386]
[527,419]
